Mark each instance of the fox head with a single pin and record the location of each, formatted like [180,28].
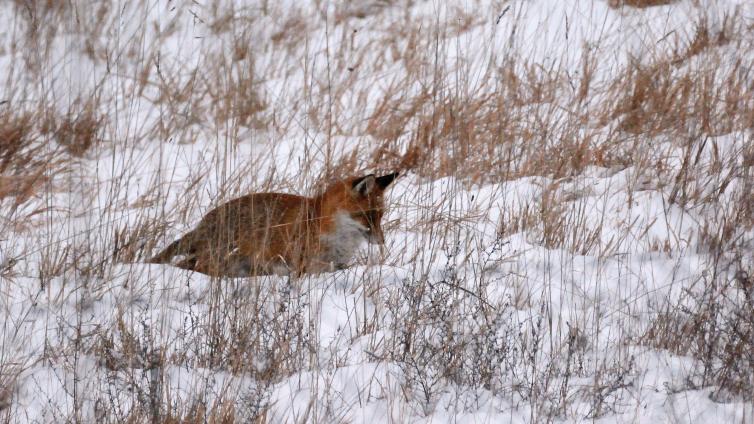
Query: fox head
[358,202]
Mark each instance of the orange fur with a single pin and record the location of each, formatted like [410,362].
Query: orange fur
[266,233]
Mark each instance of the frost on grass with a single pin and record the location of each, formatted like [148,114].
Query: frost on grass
[571,237]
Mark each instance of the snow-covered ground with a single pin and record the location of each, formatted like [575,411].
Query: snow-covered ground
[533,281]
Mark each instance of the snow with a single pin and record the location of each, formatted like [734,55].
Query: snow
[340,337]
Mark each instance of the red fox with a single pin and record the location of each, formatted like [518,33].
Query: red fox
[277,233]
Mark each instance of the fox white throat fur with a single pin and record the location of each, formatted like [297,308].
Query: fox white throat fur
[341,244]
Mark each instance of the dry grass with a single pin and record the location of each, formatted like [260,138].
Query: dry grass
[26,162]
[434,120]
[22,187]
[503,129]
[641,4]
[525,120]
[75,132]
[717,329]
[706,38]
[17,143]
[198,412]
[672,93]
[8,384]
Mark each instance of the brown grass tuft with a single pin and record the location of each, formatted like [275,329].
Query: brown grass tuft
[79,133]
[26,163]
[706,38]
[16,140]
[676,333]
[22,187]
[659,99]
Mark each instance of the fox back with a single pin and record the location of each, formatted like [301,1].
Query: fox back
[277,233]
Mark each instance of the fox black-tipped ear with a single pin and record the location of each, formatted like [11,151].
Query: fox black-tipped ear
[363,186]
[385,180]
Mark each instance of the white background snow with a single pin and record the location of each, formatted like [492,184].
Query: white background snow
[454,320]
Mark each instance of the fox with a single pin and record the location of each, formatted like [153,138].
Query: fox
[284,234]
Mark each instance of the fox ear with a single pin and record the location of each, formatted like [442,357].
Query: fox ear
[363,186]
[385,180]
